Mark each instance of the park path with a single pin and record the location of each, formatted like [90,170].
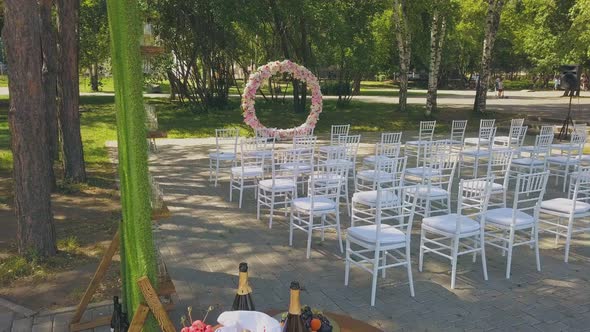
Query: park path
[545,105]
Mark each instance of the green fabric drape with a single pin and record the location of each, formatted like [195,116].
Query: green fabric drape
[138,257]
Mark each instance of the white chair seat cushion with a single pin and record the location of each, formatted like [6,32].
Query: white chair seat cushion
[476,140]
[584,157]
[502,139]
[448,223]
[372,159]
[249,171]
[503,217]
[329,148]
[292,166]
[565,146]
[370,197]
[496,187]
[527,148]
[347,162]
[422,171]
[417,143]
[222,155]
[565,205]
[368,233]
[372,175]
[319,204]
[422,191]
[279,184]
[261,153]
[476,152]
[527,162]
[562,160]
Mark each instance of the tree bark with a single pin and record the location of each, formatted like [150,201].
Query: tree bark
[28,125]
[137,244]
[94,77]
[404,39]
[49,76]
[69,90]
[437,37]
[491,28]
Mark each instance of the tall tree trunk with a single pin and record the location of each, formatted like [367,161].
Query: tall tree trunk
[137,243]
[492,24]
[69,90]
[28,125]
[404,39]
[49,76]
[94,82]
[437,37]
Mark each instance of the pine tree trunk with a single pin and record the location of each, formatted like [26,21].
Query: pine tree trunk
[137,243]
[491,28]
[403,38]
[28,125]
[49,76]
[437,37]
[69,90]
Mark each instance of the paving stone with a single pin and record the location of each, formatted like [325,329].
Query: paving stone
[22,325]
[6,321]
[207,236]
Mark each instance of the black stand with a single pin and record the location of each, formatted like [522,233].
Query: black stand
[563,133]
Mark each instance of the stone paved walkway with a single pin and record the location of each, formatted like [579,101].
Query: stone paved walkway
[207,236]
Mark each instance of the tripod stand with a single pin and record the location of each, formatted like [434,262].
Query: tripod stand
[563,133]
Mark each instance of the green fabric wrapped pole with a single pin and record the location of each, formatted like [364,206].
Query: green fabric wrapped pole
[138,256]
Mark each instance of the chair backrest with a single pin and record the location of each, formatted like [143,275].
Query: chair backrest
[546,130]
[304,142]
[521,137]
[351,145]
[458,130]
[487,123]
[226,140]
[402,210]
[580,191]
[581,128]
[249,156]
[435,148]
[443,167]
[426,130]
[473,198]
[499,165]
[388,149]
[394,168]
[391,138]
[528,193]
[542,146]
[337,131]
[516,123]
[326,181]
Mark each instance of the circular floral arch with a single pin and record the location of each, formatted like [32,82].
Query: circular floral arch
[298,72]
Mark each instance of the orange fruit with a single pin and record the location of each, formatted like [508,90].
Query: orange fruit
[315,324]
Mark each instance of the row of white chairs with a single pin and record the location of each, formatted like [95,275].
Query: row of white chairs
[411,194]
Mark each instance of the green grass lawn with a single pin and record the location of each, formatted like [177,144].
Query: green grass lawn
[98,121]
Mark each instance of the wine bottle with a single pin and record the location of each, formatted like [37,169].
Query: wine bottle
[116,318]
[243,300]
[294,322]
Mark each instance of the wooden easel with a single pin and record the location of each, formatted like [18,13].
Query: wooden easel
[154,305]
[166,289]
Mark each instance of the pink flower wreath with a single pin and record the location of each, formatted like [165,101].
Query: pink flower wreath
[263,73]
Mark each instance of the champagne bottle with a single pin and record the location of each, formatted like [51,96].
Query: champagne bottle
[243,300]
[116,318]
[294,322]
